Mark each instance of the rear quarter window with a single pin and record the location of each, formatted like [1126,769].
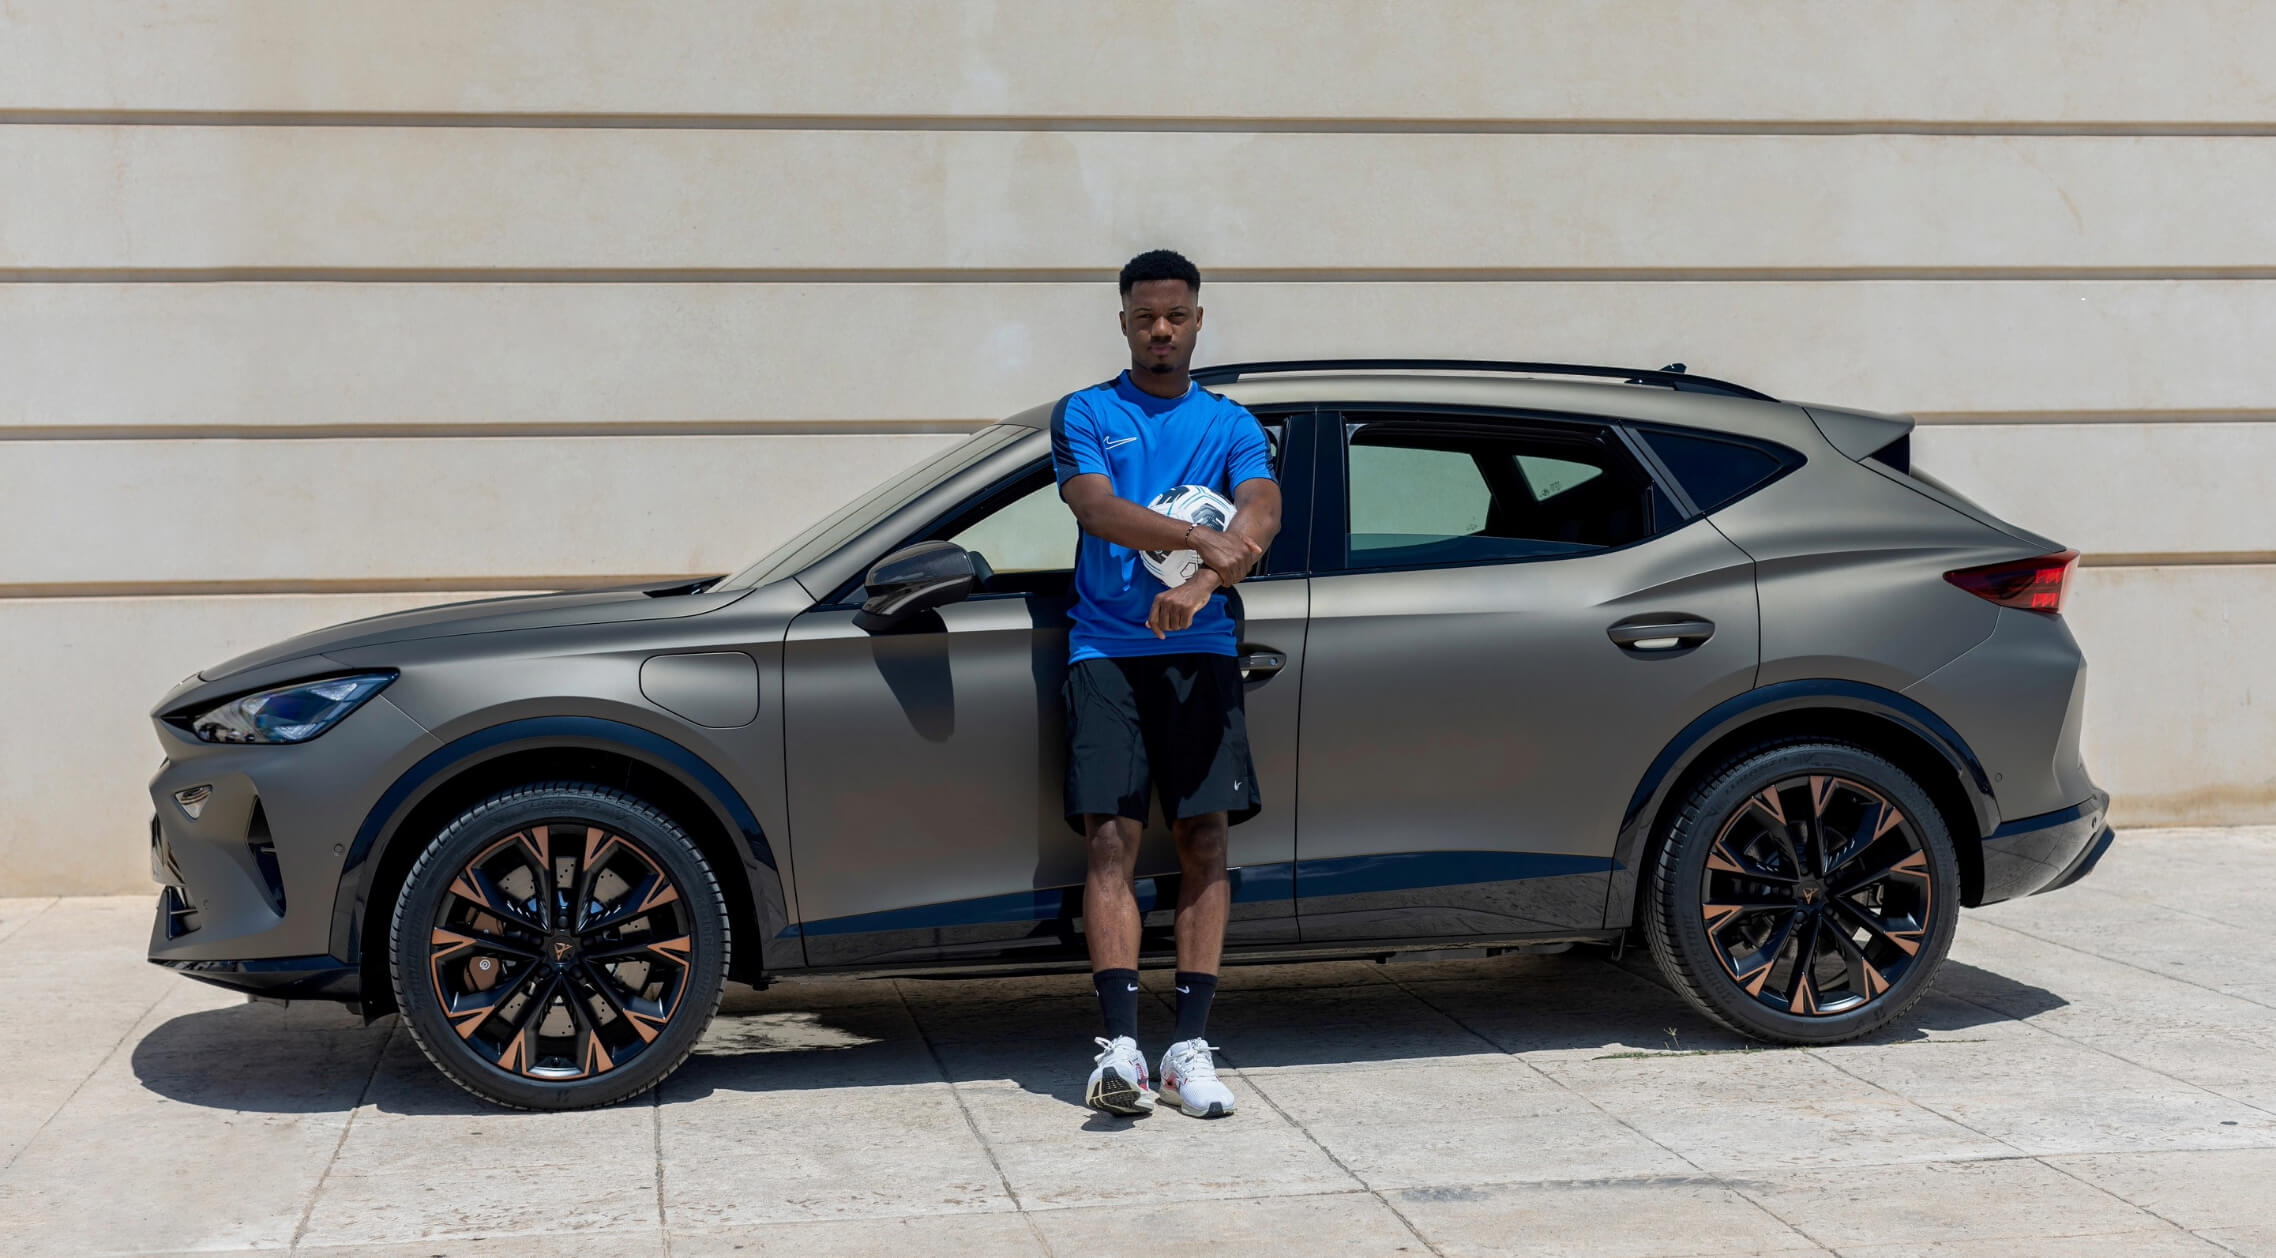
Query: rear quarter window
[1716,472]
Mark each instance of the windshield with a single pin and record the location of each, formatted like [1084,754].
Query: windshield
[840,526]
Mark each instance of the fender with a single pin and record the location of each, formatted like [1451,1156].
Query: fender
[1684,750]
[652,749]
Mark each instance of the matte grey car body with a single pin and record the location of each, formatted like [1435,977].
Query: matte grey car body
[1497,729]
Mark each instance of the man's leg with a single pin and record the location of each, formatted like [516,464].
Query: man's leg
[1111,920]
[1205,901]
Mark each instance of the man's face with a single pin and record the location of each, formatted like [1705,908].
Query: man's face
[1161,321]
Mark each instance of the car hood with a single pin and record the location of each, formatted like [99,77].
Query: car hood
[489,615]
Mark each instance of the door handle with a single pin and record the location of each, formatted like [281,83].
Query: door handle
[1258,662]
[1660,631]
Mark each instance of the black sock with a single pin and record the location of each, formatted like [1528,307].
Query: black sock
[1118,1000]
[1194,992]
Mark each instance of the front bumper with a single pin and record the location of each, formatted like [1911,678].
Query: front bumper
[2047,852]
[250,885]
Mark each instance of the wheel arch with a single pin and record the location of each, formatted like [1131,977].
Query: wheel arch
[588,749]
[1877,719]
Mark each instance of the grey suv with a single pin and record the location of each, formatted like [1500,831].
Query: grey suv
[1543,654]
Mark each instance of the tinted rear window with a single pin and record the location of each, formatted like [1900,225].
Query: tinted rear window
[1715,473]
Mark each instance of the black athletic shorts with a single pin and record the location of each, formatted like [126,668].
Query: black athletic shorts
[1171,723]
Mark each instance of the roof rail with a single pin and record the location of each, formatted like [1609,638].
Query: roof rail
[1672,376]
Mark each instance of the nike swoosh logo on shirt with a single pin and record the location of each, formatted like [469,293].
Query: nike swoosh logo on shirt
[1112,442]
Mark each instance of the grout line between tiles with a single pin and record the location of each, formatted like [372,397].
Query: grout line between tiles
[2172,978]
[92,1071]
[1330,1154]
[931,1050]
[378,1063]
[656,1114]
[1592,1103]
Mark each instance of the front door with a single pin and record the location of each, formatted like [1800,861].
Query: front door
[925,765]
[1479,700]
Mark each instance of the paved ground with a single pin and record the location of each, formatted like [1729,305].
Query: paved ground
[2095,1074]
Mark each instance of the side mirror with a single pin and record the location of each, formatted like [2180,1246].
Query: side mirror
[914,579]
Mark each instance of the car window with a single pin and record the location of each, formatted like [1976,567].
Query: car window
[1423,492]
[1715,473]
[1030,531]
[833,530]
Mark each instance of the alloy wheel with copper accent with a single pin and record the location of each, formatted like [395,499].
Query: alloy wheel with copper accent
[560,946]
[1805,893]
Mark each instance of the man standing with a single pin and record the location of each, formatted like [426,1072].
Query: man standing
[1153,691]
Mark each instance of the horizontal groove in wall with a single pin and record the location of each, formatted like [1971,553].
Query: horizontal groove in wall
[2181,559]
[890,427]
[1097,275]
[2031,418]
[474,586]
[632,428]
[1109,123]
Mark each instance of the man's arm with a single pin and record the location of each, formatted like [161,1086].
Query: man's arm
[1256,520]
[1100,513]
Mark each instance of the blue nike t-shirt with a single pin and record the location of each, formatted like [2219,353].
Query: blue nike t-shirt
[1145,445]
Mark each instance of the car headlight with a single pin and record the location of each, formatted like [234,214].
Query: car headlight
[287,714]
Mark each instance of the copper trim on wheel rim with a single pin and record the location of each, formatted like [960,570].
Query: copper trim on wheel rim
[1817,895]
[560,951]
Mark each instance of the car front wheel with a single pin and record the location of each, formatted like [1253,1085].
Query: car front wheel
[1805,893]
[559,946]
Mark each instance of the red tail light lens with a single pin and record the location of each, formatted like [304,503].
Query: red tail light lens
[2035,585]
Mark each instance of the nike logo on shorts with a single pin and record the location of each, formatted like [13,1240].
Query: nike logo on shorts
[1112,442]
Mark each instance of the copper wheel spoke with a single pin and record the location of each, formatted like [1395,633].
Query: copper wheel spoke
[1911,864]
[495,899]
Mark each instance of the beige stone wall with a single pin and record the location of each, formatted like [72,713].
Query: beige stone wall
[301,306]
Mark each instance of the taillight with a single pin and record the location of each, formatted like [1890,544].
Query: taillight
[2035,585]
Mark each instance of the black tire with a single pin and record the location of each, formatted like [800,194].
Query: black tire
[630,973]
[1803,844]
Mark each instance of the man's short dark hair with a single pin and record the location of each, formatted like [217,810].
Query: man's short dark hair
[1160,264]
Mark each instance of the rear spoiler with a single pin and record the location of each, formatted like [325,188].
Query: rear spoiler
[1863,434]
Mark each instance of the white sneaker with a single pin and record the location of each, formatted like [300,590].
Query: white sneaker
[1189,1080]
[1119,1085]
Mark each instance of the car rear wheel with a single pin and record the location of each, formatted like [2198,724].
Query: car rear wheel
[559,946]
[1804,893]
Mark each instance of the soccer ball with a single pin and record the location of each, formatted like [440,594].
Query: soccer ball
[1194,504]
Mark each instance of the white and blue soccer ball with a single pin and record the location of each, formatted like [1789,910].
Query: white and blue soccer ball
[1193,504]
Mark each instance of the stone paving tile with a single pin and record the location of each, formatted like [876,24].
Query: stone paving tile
[1778,1108]
[638,1243]
[15,911]
[1109,1161]
[741,1159]
[466,1204]
[934,1236]
[2162,1242]
[2257,1241]
[1666,1216]
[1936,1202]
[224,1142]
[2198,1190]
[1495,1121]
[2071,1098]
[1326,1223]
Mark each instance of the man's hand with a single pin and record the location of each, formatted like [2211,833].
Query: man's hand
[1174,609]
[1229,555]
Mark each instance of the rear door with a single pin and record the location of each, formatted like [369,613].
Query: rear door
[925,766]
[1510,617]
